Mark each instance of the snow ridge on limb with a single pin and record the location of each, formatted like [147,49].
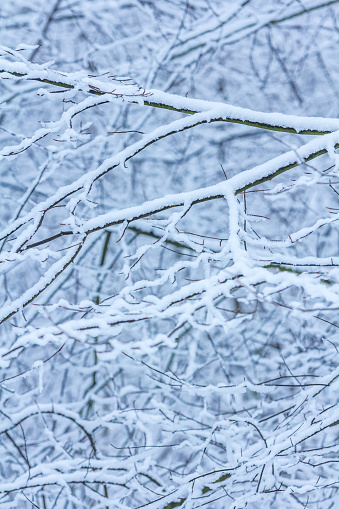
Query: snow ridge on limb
[121,88]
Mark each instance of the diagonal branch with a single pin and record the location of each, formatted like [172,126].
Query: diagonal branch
[133,93]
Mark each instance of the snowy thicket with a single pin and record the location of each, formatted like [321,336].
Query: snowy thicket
[169,254]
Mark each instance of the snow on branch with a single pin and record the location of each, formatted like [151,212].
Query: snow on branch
[113,87]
